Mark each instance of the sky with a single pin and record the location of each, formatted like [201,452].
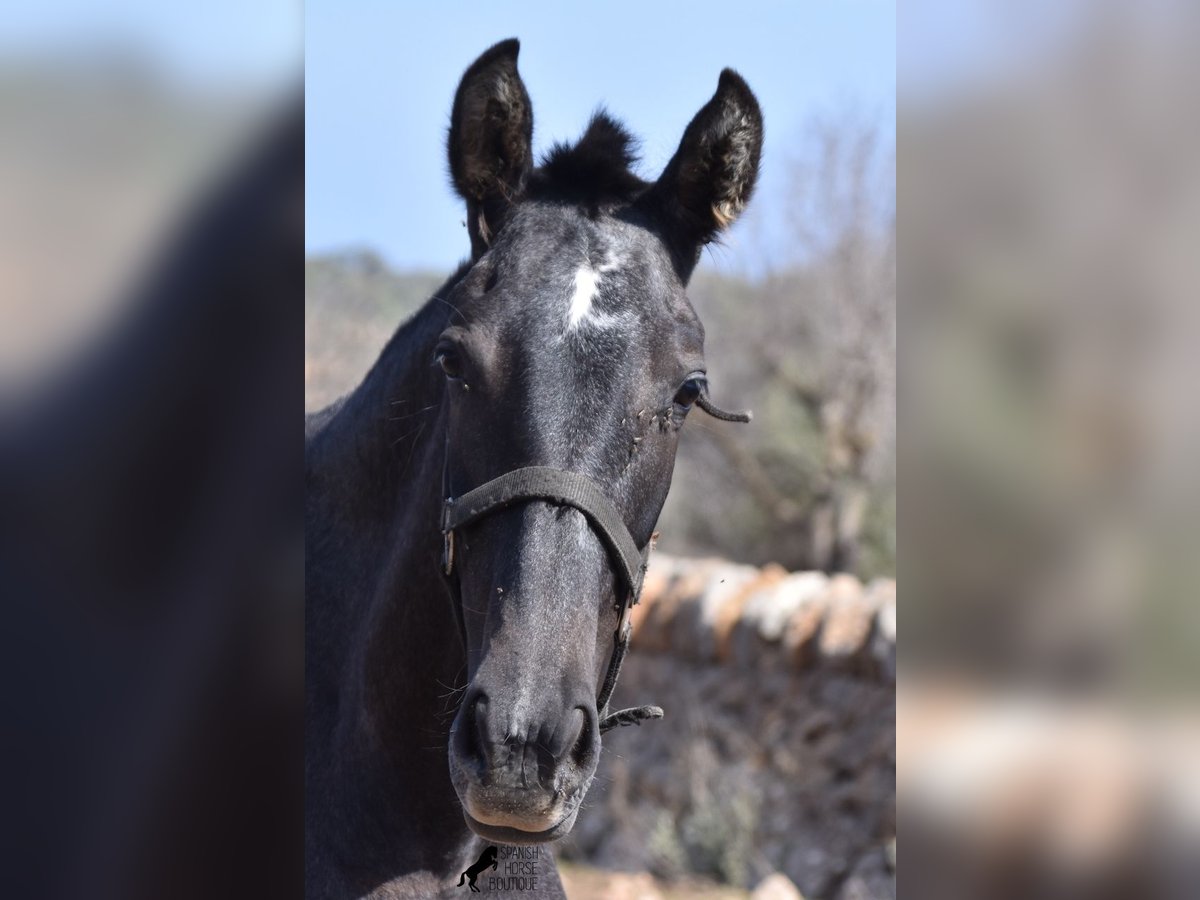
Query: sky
[380,78]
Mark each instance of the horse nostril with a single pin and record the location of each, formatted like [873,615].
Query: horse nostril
[583,751]
[564,743]
[473,726]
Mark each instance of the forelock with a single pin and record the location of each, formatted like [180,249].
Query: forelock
[594,172]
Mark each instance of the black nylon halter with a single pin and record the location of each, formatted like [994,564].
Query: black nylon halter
[582,493]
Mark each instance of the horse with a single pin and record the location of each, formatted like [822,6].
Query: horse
[454,649]
[487,860]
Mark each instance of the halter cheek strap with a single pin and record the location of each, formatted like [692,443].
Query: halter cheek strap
[581,493]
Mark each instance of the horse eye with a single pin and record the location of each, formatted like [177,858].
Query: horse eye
[447,357]
[688,393]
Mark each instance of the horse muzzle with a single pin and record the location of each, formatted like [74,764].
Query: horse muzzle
[521,776]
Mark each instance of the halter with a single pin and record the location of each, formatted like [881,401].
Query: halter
[582,493]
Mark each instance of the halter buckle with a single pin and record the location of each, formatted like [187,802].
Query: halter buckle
[625,626]
[448,551]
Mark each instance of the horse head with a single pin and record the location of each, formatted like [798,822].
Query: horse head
[573,347]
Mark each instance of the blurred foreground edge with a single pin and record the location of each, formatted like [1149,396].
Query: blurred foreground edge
[151,554]
[1048,742]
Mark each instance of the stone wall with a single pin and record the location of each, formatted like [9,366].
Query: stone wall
[777,752]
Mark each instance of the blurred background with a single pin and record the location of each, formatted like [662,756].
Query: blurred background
[776,772]
[1048,741]
[151,551]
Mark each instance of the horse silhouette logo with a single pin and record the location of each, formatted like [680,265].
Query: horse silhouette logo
[487,860]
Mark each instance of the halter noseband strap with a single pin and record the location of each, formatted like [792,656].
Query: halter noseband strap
[580,492]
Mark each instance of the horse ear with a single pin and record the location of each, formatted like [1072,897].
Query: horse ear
[709,180]
[490,142]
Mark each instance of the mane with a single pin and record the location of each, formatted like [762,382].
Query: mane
[595,171]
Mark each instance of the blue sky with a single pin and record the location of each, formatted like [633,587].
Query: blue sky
[380,77]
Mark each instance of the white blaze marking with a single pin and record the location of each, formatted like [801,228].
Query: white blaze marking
[587,283]
[587,286]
